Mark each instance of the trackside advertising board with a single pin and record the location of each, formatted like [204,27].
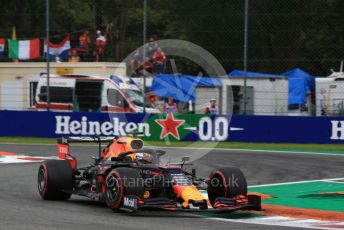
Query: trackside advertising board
[186,127]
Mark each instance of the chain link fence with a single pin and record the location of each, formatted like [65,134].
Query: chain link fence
[282,35]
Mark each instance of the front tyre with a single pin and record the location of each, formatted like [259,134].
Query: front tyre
[227,182]
[54,177]
[121,182]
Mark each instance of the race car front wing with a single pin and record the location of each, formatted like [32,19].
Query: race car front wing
[222,204]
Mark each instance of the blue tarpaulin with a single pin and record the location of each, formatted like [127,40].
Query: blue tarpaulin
[300,83]
[181,87]
[297,93]
[299,73]
[240,73]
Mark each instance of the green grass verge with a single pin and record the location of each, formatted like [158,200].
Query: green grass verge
[320,195]
[332,148]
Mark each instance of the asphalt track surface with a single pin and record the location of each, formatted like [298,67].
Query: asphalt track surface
[22,208]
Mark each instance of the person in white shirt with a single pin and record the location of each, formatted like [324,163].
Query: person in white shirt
[212,108]
[170,106]
[100,45]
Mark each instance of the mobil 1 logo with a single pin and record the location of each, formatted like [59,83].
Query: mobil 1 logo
[130,202]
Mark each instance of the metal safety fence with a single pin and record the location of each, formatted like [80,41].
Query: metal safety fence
[265,96]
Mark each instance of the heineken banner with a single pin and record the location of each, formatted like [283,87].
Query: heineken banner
[183,127]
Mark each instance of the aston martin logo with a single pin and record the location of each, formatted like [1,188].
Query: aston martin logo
[169,126]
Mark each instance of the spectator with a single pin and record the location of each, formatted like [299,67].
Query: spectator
[159,60]
[84,43]
[136,61]
[170,106]
[151,47]
[212,108]
[57,57]
[149,65]
[100,45]
[73,57]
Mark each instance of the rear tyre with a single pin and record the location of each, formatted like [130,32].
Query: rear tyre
[226,182]
[121,182]
[54,177]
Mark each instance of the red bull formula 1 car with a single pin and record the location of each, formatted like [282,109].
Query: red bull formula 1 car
[127,176]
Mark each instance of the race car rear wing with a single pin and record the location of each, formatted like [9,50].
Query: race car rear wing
[63,144]
[94,139]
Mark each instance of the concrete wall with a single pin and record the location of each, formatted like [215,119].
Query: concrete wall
[15,78]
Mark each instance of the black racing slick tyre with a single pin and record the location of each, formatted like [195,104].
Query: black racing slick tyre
[226,182]
[55,177]
[122,182]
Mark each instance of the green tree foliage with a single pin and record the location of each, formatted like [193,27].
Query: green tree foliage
[282,34]
[28,16]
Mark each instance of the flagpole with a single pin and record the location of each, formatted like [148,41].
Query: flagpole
[48,54]
[144,52]
[245,54]
[14,37]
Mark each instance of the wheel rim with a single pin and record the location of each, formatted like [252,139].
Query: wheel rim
[41,179]
[112,189]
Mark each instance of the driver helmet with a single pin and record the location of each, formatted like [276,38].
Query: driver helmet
[145,158]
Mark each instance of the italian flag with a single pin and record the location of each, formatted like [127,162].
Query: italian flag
[23,49]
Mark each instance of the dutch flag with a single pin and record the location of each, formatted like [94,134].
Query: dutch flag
[61,49]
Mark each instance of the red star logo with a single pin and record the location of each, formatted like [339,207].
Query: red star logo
[169,126]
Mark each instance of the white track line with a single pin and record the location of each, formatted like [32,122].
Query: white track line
[284,221]
[296,182]
[337,182]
